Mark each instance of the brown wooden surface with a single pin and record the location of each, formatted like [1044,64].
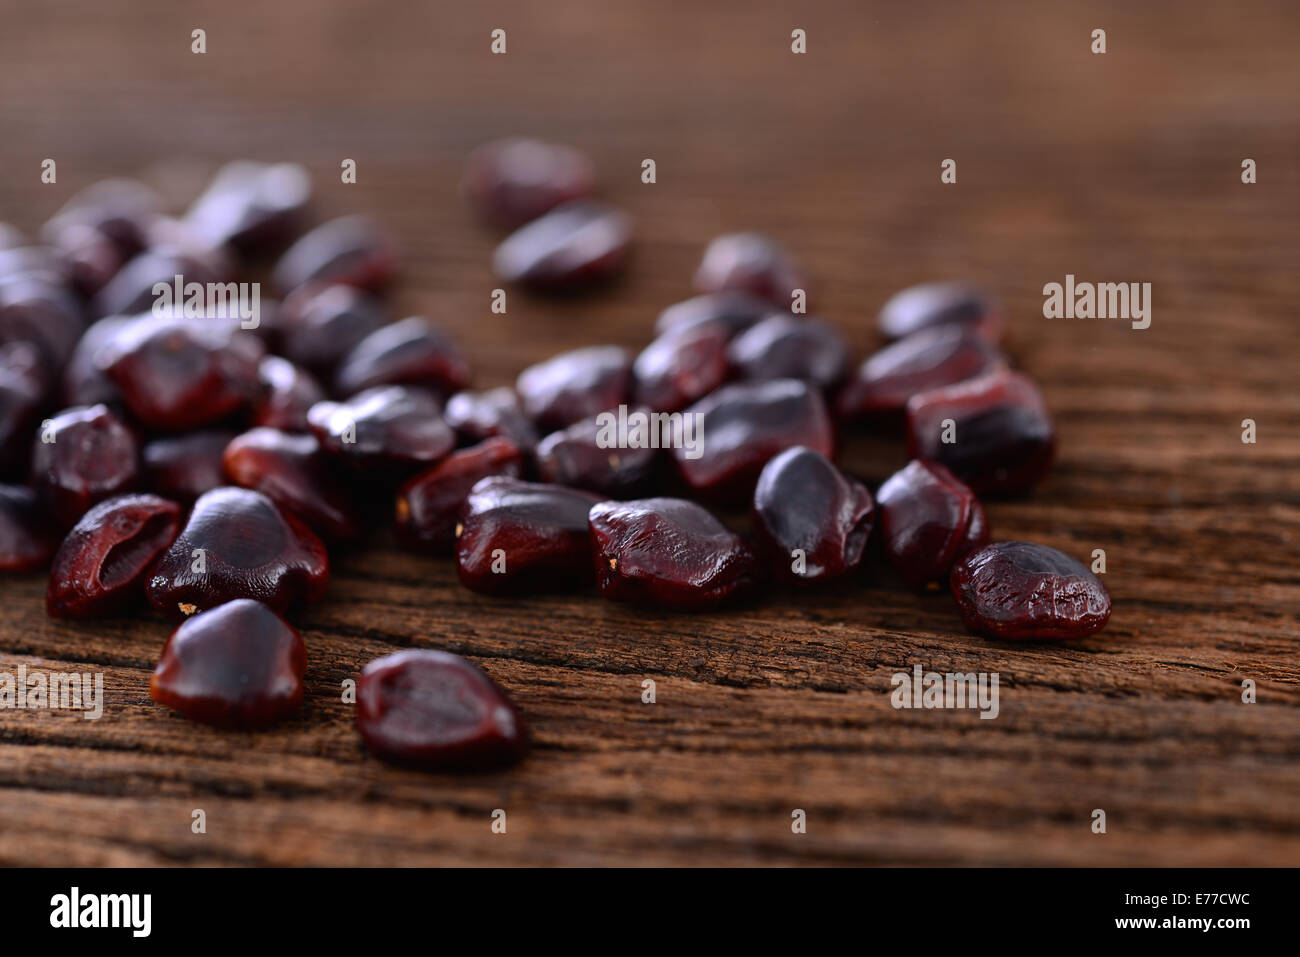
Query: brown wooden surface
[1122,167]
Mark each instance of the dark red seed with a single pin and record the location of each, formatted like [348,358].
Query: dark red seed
[287,393]
[929,359]
[1002,438]
[743,426]
[27,538]
[481,415]
[237,544]
[513,181]
[239,665]
[318,325]
[520,536]
[428,505]
[1020,591]
[291,470]
[785,346]
[574,245]
[122,209]
[749,262]
[89,254]
[36,310]
[84,382]
[40,264]
[351,251]
[435,710]
[729,312]
[941,303]
[179,238]
[183,467]
[177,374]
[671,552]
[412,352]
[680,367]
[575,385]
[389,431]
[252,207]
[586,455]
[131,290]
[811,520]
[928,519]
[100,568]
[83,456]
[23,385]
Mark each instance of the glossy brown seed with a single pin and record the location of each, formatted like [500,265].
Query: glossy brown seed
[291,470]
[679,367]
[177,374]
[743,426]
[520,536]
[587,455]
[28,538]
[412,352]
[239,665]
[183,467]
[386,432]
[24,382]
[122,209]
[811,520]
[785,346]
[179,238]
[575,385]
[237,544]
[435,710]
[286,394]
[573,246]
[1003,438]
[84,382]
[941,303]
[513,181]
[318,325]
[100,229]
[131,290]
[728,312]
[928,519]
[83,456]
[37,263]
[350,251]
[89,255]
[669,552]
[428,505]
[100,568]
[929,359]
[45,313]
[481,415]
[253,207]
[749,262]
[1020,591]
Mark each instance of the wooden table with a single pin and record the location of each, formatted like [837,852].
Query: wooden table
[1117,167]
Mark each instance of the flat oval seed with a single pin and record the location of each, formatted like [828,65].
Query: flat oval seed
[1022,591]
[811,519]
[100,567]
[941,303]
[435,710]
[239,665]
[670,552]
[573,246]
[994,432]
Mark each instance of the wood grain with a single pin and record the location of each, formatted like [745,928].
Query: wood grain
[1122,167]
